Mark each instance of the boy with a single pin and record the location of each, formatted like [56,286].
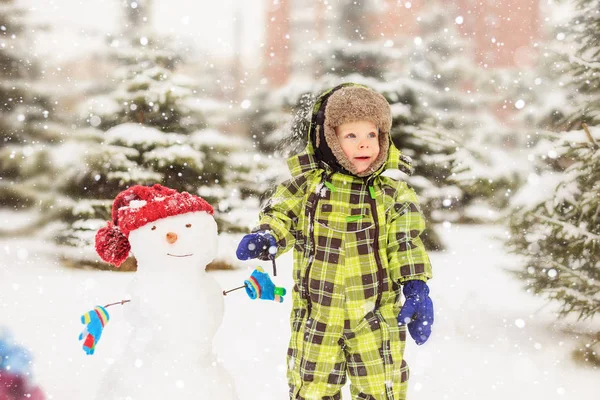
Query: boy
[355,231]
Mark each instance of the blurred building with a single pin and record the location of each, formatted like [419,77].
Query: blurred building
[502,33]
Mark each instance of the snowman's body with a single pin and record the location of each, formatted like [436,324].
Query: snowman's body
[175,311]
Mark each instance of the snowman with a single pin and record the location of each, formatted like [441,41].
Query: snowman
[175,306]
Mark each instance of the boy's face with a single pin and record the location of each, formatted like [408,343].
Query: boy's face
[360,142]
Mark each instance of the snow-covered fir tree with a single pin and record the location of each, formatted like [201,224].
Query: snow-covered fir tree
[147,89]
[29,126]
[22,105]
[147,130]
[556,218]
[557,227]
[581,37]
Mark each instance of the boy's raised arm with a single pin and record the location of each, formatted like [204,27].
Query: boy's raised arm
[280,215]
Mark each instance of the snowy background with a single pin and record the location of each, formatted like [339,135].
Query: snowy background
[497,103]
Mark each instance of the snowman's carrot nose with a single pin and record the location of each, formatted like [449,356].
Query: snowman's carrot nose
[171,237]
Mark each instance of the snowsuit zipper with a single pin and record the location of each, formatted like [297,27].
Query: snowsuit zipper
[373,205]
[313,246]
[384,329]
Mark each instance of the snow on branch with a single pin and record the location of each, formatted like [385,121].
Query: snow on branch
[572,229]
[577,60]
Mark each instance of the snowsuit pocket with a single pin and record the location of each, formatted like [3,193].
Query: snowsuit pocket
[345,219]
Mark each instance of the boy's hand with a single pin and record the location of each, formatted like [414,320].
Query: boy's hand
[417,311]
[94,321]
[260,286]
[256,244]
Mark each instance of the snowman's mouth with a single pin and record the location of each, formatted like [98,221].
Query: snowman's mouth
[183,255]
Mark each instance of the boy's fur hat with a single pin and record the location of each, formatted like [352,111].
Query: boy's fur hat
[357,103]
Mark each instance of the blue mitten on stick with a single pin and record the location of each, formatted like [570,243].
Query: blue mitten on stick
[256,245]
[417,311]
[94,321]
[260,286]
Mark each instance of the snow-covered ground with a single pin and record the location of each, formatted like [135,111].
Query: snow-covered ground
[490,341]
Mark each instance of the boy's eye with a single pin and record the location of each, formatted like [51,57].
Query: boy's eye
[350,136]
[372,135]
[188,225]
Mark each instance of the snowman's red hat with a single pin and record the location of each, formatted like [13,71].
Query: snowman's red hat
[136,207]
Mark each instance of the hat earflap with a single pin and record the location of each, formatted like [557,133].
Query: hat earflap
[111,245]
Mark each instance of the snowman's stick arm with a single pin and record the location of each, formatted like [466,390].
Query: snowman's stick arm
[118,302]
[231,290]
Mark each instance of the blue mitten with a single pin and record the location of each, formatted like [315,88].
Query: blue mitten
[94,321]
[260,286]
[256,245]
[417,311]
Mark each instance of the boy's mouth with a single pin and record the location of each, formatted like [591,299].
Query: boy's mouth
[362,158]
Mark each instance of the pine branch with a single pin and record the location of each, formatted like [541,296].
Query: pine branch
[551,135]
[589,135]
[458,143]
[569,226]
[568,270]
[596,213]
[440,133]
[587,64]
[562,292]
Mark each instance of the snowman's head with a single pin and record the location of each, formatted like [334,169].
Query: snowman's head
[159,225]
[185,239]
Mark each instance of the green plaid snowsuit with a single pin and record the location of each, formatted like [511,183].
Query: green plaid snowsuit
[355,240]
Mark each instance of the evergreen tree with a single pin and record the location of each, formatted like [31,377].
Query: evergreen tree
[559,236]
[147,90]
[580,63]
[23,107]
[29,126]
[558,231]
[146,131]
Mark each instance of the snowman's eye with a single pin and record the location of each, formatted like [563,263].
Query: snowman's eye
[188,225]
[154,227]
